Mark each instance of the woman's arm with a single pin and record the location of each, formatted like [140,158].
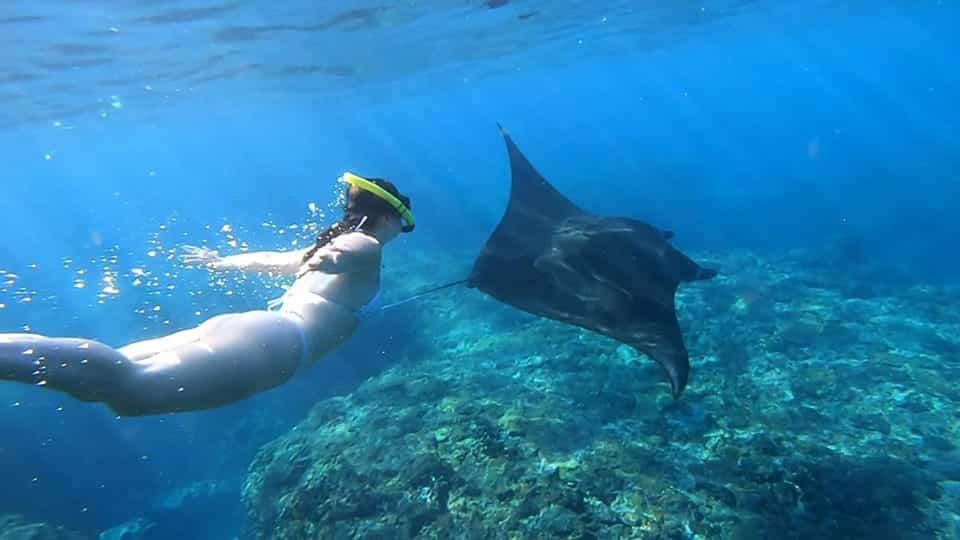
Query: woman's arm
[273,262]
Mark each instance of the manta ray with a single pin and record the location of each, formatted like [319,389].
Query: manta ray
[615,276]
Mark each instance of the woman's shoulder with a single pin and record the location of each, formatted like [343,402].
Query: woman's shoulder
[356,241]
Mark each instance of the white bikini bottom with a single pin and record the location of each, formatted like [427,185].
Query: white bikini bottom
[304,346]
[277,304]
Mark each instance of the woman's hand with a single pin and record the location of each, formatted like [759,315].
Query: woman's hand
[199,256]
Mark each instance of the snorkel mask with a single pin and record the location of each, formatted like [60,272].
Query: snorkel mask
[371,187]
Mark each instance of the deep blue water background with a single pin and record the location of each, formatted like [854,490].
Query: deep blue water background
[756,133]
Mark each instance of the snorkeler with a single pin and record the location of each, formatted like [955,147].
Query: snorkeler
[232,356]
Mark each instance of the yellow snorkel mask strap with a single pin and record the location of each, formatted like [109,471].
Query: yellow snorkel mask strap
[362,183]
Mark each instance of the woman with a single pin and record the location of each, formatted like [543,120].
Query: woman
[235,355]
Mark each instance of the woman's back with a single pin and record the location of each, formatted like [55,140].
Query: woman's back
[351,289]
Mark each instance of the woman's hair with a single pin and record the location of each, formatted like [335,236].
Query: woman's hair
[361,211]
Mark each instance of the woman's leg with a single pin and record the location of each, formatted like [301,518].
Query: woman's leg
[86,369]
[224,360]
[149,347]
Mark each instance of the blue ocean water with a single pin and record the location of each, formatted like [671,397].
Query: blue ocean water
[129,129]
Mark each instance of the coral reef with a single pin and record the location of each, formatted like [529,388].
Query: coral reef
[17,528]
[198,510]
[819,407]
[136,529]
